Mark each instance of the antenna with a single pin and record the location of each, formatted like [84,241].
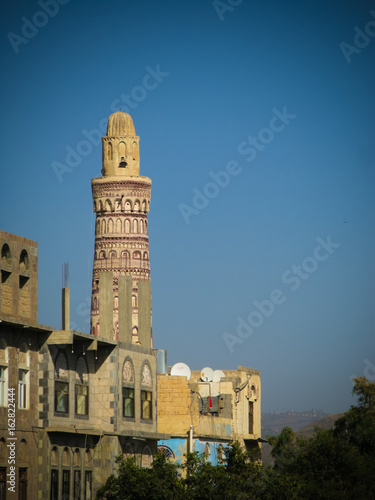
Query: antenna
[65,275]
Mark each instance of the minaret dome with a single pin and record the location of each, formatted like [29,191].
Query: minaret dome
[120,147]
[120,124]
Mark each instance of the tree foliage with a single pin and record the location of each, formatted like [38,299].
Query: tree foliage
[335,464]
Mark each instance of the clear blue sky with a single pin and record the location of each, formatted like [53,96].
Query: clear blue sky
[222,77]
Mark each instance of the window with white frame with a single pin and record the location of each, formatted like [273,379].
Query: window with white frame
[22,388]
[3,386]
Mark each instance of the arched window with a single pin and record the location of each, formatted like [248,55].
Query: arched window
[81,388]
[103,227]
[137,205]
[109,151]
[97,227]
[128,206]
[146,457]
[144,206]
[54,456]
[141,226]
[118,226]
[128,450]
[65,457]
[24,261]
[108,205]
[136,255]
[127,226]
[5,252]
[135,226]
[145,255]
[77,458]
[87,458]
[110,226]
[128,405]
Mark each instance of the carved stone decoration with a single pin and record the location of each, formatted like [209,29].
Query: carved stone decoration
[146,375]
[127,373]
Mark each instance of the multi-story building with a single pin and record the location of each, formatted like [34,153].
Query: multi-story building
[205,415]
[82,399]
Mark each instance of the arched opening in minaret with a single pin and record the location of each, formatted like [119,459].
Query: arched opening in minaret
[113,256]
[137,205]
[135,151]
[110,151]
[134,301]
[127,226]
[118,226]
[135,226]
[144,206]
[124,260]
[141,226]
[122,150]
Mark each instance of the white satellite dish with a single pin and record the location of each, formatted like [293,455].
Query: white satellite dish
[207,374]
[218,374]
[181,370]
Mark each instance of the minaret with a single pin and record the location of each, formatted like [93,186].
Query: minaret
[121,202]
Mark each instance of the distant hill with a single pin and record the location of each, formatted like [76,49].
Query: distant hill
[326,422]
[303,423]
[273,423]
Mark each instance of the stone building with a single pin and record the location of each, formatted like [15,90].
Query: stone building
[82,399]
[21,338]
[205,416]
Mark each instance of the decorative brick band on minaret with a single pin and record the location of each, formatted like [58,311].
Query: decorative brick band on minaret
[121,202]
